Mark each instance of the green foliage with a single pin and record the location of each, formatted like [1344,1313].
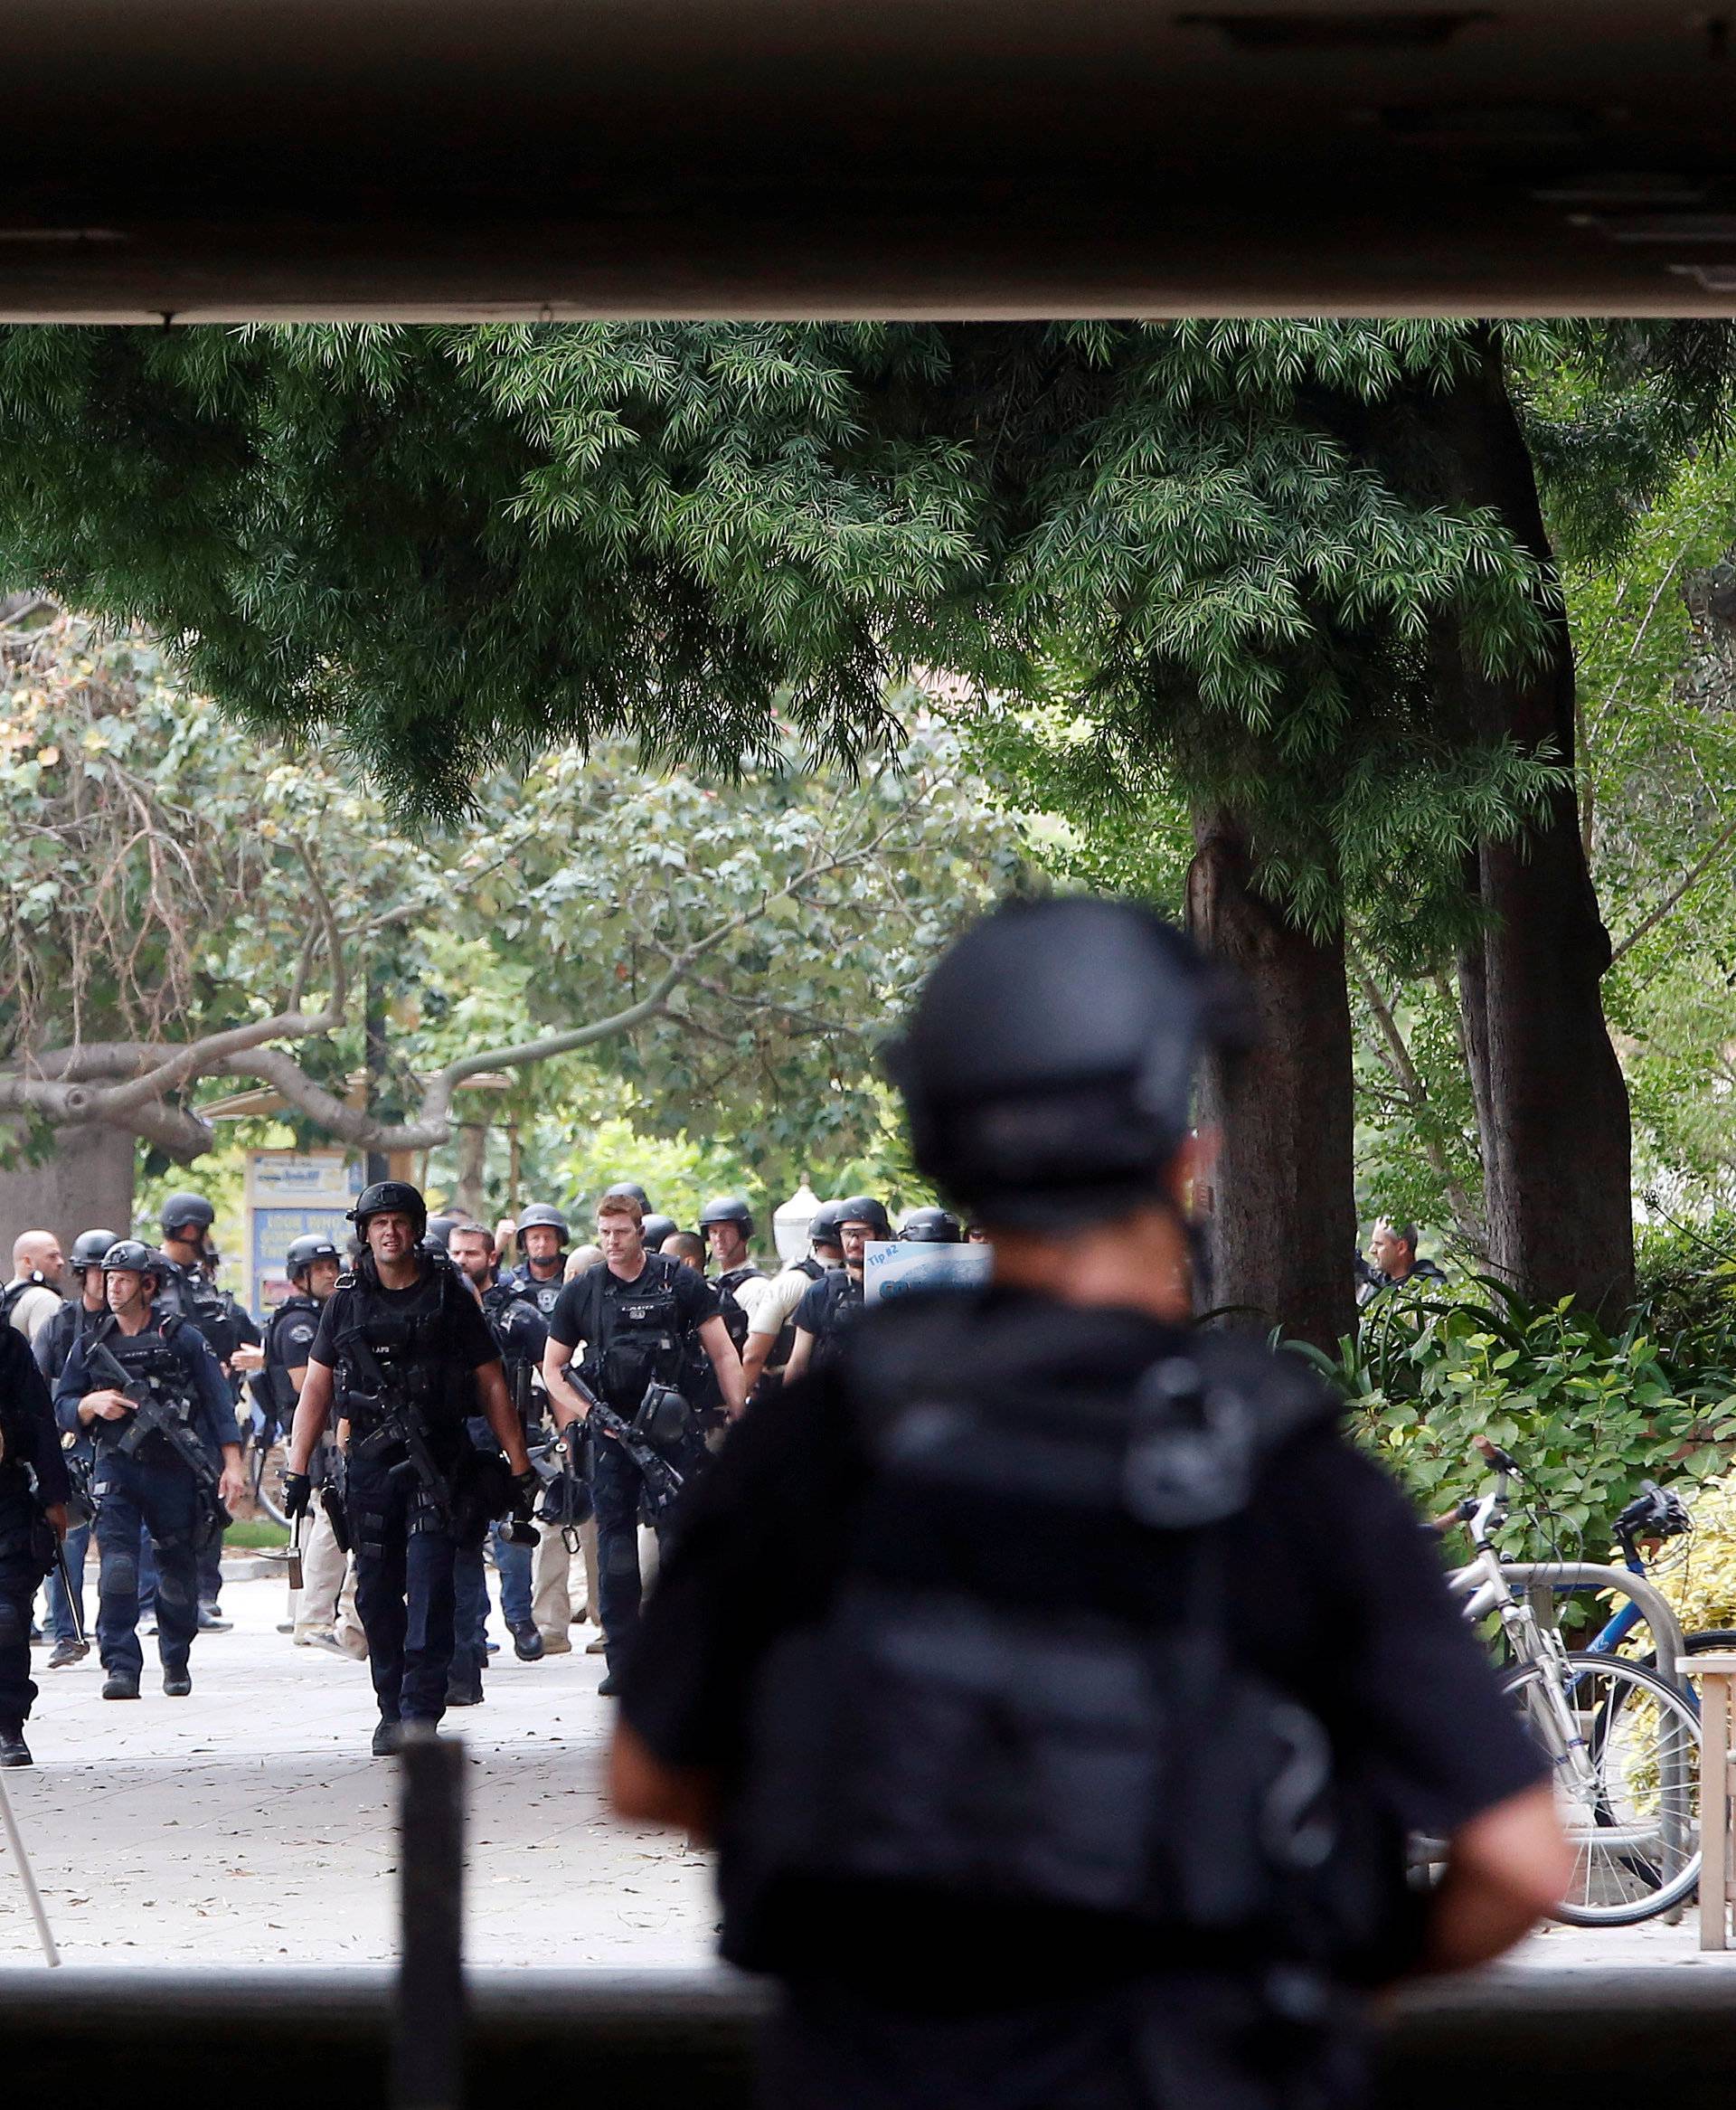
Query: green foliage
[1687,1289]
[1586,1415]
[159,883]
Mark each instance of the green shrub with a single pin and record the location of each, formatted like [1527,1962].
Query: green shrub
[1586,1414]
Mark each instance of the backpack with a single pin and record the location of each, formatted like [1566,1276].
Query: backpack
[1009,1753]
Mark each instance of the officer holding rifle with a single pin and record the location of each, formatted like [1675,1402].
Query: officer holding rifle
[404,1357]
[632,1314]
[147,1388]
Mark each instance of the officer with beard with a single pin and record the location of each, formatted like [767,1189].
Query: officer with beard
[175,1480]
[1059,1682]
[405,1358]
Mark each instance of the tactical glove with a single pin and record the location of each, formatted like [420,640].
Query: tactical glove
[526,1490]
[297,1493]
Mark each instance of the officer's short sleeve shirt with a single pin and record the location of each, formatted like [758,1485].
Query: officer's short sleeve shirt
[468,1340]
[815,1304]
[292,1339]
[598,1287]
[777,1301]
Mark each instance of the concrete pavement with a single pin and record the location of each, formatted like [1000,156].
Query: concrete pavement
[248,1824]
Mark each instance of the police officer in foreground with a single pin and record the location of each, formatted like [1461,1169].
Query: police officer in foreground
[147,1388]
[404,1357]
[632,1315]
[75,1319]
[1058,1683]
[835,1300]
[32,1524]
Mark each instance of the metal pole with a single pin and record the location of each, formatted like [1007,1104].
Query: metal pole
[428,2046]
[26,1874]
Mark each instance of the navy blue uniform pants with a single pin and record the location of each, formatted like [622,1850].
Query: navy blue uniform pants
[159,1495]
[404,1591]
[616,1486]
[20,1573]
[470,1612]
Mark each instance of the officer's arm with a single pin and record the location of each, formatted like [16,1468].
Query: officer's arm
[219,1410]
[798,1355]
[1507,1870]
[311,1412]
[642,1787]
[570,1406]
[503,1415]
[754,1357]
[714,1337]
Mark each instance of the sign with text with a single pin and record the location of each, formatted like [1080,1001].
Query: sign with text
[293,1194]
[890,1268]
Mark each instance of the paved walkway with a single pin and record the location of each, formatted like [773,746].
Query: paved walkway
[248,1824]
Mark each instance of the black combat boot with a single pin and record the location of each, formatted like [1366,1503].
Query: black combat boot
[14,1750]
[120,1685]
[386,1737]
[177,1682]
[527,1643]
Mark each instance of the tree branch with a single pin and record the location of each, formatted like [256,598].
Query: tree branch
[1395,1054]
[1695,873]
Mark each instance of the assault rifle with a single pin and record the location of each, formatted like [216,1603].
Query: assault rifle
[655,1421]
[399,1427]
[152,1416]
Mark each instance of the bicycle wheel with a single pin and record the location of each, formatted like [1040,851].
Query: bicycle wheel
[1626,1775]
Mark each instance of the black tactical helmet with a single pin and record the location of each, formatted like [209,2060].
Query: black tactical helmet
[656,1229]
[439,1232]
[862,1209]
[87,1249]
[631,1190]
[133,1256]
[1048,1066]
[727,1208]
[540,1213]
[822,1225]
[388,1194]
[932,1227]
[182,1209]
[302,1252]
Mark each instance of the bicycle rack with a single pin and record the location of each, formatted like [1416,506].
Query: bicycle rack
[1550,1579]
[1545,1580]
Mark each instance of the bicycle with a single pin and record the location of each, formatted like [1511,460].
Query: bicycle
[1622,1741]
[261,1465]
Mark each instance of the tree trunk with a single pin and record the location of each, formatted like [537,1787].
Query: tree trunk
[1551,1101]
[1281,1220]
[473,1167]
[85,1186]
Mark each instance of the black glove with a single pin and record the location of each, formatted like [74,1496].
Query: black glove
[526,1490]
[297,1493]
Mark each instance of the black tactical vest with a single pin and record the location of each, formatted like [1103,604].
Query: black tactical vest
[942,1728]
[149,1358]
[735,1319]
[634,1334]
[396,1354]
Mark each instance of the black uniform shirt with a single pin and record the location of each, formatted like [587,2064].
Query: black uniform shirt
[467,1340]
[292,1331]
[1335,1592]
[695,1298]
[33,1435]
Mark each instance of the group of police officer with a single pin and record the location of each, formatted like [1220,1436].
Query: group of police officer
[435,1401]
